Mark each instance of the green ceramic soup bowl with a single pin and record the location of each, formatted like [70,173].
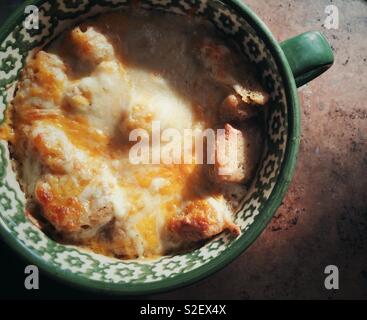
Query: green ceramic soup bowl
[281,67]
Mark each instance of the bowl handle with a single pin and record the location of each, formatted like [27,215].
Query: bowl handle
[309,55]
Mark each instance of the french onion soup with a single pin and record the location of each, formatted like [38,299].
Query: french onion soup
[97,110]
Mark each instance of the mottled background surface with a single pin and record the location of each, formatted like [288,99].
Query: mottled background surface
[323,219]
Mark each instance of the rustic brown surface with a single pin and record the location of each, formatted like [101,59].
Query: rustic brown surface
[323,219]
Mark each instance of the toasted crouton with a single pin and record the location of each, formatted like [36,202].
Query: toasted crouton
[234,109]
[91,45]
[227,68]
[237,161]
[201,219]
[66,212]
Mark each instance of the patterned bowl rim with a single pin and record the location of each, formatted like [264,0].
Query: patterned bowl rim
[274,201]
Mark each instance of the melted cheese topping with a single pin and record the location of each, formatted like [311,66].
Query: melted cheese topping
[72,116]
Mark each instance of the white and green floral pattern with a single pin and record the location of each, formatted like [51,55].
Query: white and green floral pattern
[56,16]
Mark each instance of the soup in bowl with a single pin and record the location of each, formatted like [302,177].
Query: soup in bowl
[100,185]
